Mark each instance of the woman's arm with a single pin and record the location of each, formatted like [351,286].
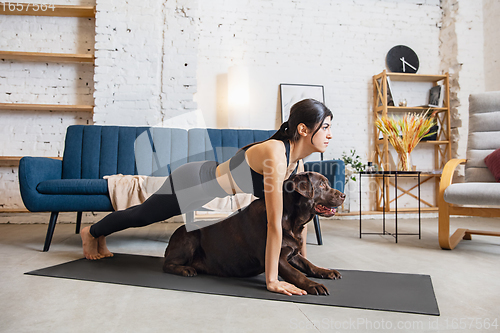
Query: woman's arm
[304,232]
[274,170]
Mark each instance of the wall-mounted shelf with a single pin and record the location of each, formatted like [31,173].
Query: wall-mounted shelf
[46,107]
[6,161]
[30,9]
[14,210]
[46,57]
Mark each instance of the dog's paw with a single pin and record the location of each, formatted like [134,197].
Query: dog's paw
[189,271]
[332,274]
[315,288]
[324,273]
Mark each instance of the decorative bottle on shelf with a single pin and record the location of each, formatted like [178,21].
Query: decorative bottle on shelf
[370,167]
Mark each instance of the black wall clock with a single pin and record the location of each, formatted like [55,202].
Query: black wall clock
[402,59]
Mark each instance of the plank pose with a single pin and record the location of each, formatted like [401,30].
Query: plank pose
[259,168]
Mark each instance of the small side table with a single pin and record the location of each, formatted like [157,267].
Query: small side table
[384,175]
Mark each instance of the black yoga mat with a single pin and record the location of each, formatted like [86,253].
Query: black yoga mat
[408,293]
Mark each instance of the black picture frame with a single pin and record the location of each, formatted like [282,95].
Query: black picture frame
[291,93]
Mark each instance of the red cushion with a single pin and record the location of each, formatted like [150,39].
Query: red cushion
[493,163]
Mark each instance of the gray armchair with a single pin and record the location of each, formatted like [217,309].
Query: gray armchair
[479,195]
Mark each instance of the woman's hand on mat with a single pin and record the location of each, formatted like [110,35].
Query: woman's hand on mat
[284,287]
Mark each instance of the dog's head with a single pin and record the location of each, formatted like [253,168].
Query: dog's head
[315,193]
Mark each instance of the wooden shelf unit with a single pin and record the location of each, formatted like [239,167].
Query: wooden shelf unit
[30,9]
[56,11]
[442,145]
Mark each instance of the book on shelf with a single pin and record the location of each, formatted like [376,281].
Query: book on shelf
[436,96]
[390,93]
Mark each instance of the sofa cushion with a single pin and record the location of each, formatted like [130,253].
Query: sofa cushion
[94,151]
[73,186]
[484,194]
[492,161]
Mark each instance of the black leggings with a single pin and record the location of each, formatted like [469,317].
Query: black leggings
[195,185]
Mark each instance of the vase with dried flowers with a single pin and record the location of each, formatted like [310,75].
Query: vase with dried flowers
[405,133]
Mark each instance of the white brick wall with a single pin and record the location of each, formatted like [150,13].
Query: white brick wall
[462,47]
[449,63]
[470,47]
[159,59]
[126,89]
[491,10]
[337,44]
[146,65]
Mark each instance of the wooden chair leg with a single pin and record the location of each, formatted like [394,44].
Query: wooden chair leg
[50,230]
[317,229]
[78,222]
[446,241]
[444,226]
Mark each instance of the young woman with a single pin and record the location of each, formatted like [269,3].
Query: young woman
[259,168]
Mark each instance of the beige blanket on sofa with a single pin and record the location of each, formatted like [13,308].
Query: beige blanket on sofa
[129,190]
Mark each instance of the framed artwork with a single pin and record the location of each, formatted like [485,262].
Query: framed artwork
[293,93]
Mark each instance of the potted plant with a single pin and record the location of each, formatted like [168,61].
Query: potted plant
[353,165]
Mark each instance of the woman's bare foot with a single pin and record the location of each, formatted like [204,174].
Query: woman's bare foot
[102,248]
[90,245]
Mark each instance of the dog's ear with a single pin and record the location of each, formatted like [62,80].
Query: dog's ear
[302,184]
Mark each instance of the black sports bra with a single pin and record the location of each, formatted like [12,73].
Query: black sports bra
[246,178]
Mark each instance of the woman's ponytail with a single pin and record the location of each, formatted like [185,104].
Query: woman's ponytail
[283,133]
[284,129]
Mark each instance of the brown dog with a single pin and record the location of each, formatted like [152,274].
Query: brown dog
[235,247]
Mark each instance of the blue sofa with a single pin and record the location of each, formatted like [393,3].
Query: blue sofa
[76,183]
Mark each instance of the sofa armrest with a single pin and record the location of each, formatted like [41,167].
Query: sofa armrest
[33,171]
[333,170]
[447,176]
